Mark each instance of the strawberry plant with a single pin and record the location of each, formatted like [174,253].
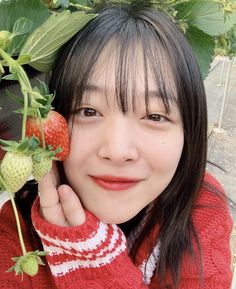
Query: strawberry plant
[32,33]
[28,264]
[27,39]
[226,43]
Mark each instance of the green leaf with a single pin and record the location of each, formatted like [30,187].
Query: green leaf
[8,143]
[24,145]
[11,269]
[33,143]
[36,104]
[42,87]
[22,26]
[82,2]
[36,95]
[37,157]
[17,268]
[23,59]
[15,97]
[30,112]
[203,48]
[40,253]
[206,15]
[62,3]
[45,42]
[12,76]
[11,10]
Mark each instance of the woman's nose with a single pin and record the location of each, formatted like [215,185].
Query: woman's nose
[119,143]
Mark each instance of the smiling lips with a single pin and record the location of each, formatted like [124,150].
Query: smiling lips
[115,183]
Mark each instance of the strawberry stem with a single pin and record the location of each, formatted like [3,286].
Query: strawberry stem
[1,68]
[6,57]
[82,7]
[41,128]
[18,225]
[25,87]
[16,68]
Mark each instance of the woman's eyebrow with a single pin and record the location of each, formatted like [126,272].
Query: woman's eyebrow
[93,88]
[155,94]
[152,94]
[169,102]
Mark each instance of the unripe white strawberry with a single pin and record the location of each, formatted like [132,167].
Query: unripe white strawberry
[16,168]
[4,38]
[41,168]
[30,265]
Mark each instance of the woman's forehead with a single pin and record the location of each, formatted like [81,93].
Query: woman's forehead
[111,72]
[106,78]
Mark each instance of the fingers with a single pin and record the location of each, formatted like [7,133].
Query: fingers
[59,206]
[71,206]
[48,189]
[50,206]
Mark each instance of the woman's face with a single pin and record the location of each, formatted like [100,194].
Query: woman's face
[119,163]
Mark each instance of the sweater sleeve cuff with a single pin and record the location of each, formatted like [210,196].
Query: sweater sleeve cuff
[74,234]
[92,244]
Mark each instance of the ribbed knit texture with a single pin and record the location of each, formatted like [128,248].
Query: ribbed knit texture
[94,255]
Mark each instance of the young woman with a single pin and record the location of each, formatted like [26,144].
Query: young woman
[132,206]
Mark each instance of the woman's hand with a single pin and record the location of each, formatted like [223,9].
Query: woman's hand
[59,205]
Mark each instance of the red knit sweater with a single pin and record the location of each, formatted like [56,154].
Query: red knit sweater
[94,255]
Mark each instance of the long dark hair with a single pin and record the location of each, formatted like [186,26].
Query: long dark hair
[167,54]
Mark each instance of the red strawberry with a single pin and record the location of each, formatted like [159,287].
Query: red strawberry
[56,132]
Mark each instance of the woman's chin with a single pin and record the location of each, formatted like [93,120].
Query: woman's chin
[114,217]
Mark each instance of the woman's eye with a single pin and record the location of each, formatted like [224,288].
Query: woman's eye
[87,112]
[156,117]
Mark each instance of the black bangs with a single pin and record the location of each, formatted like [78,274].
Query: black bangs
[140,53]
[130,41]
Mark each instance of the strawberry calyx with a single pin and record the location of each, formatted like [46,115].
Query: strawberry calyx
[25,146]
[28,263]
[48,152]
[30,146]
[41,101]
[42,161]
